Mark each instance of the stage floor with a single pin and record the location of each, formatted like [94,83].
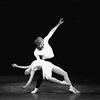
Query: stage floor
[10,89]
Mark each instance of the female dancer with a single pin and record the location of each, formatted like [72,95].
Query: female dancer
[47,69]
[45,51]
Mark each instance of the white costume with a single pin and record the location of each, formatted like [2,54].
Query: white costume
[46,52]
[46,66]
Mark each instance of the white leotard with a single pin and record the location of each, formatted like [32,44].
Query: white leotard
[45,65]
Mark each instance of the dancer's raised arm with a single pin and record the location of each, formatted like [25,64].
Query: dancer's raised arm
[54,29]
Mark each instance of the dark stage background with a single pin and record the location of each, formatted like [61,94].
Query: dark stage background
[75,43]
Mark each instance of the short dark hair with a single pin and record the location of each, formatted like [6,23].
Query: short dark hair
[38,40]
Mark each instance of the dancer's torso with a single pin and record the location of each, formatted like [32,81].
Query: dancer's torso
[38,64]
[46,52]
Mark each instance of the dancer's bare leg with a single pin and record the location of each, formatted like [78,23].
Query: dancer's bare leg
[72,89]
[66,78]
[54,80]
[58,81]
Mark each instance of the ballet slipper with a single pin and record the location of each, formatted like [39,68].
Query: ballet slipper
[35,91]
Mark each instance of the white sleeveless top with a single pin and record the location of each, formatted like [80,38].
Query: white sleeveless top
[46,52]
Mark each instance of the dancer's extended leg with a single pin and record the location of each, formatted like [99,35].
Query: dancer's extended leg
[54,80]
[60,71]
[63,73]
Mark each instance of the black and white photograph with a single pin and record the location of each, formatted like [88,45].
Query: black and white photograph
[49,50]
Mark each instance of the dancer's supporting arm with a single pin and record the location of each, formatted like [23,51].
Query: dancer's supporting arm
[30,79]
[54,29]
[23,67]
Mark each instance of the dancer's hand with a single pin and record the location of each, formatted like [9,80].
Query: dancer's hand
[14,65]
[61,21]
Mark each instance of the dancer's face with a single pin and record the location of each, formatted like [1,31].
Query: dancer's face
[40,46]
[40,43]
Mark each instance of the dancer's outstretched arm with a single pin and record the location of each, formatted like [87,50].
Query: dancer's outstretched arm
[54,29]
[30,79]
[23,67]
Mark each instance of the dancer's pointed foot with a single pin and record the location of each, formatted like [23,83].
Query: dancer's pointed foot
[75,91]
[35,91]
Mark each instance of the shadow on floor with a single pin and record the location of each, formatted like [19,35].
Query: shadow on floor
[11,90]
